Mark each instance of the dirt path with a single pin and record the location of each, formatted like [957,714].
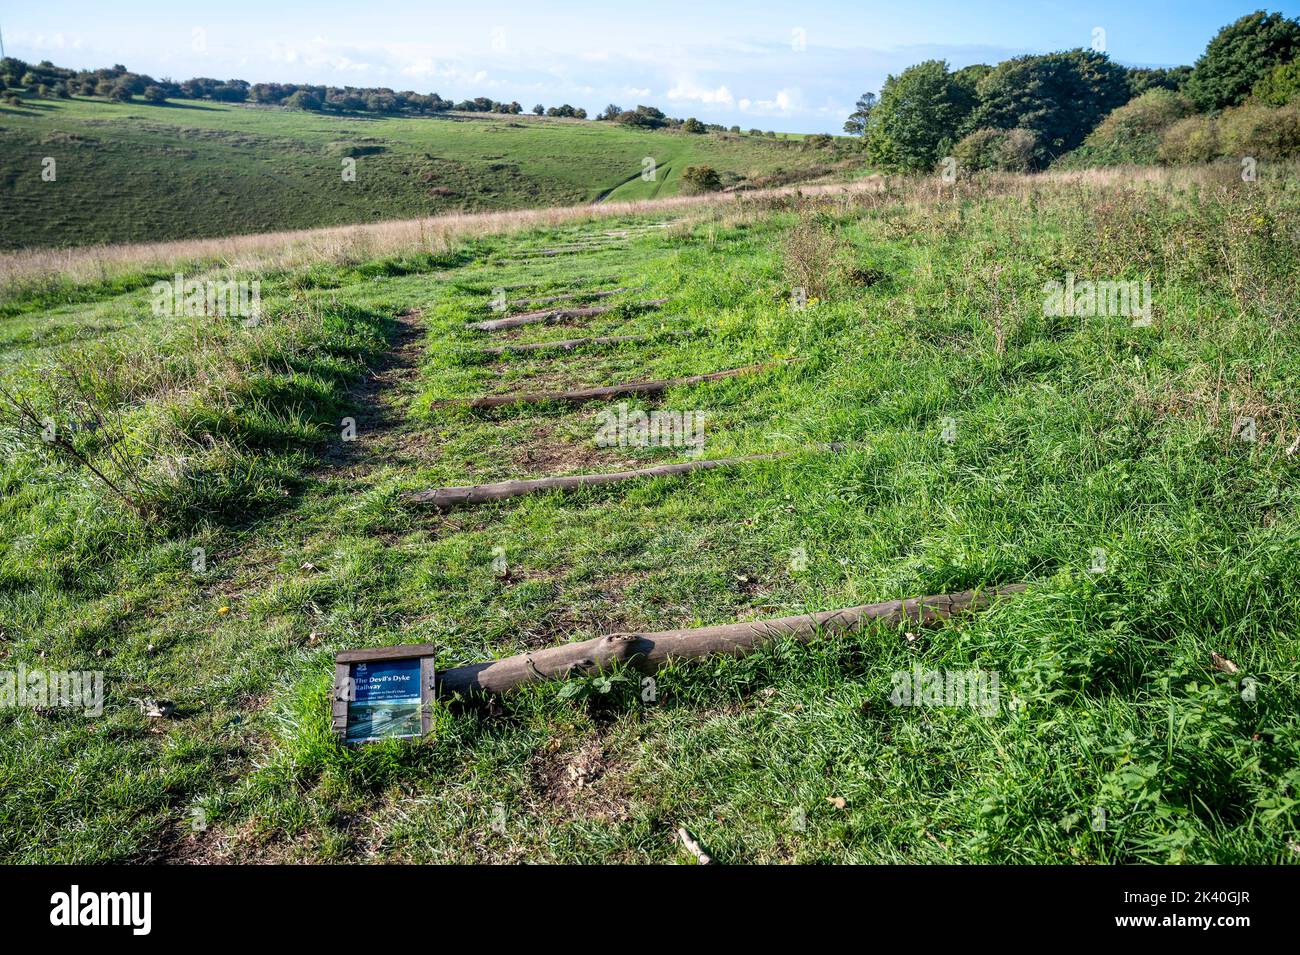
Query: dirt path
[378,406]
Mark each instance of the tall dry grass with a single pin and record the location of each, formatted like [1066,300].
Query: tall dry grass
[343,245]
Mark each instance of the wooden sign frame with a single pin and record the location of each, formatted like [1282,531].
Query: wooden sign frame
[344,692]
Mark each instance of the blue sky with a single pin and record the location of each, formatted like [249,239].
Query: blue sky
[786,66]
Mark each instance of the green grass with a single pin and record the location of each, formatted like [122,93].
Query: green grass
[1070,434]
[139,172]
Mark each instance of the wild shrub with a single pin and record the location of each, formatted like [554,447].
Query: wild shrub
[1005,150]
[1264,132]
[978,150]
[811,253]
[1190,140]
[1132,133]
[1279,87]
[700,179]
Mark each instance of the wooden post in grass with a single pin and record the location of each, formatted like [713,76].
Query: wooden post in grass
[574,280]
[580,395]
[552,315]
[568,296]
[646,652]
[569,344]
[449,498]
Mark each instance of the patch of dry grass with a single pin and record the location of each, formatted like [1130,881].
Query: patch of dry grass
[343,245]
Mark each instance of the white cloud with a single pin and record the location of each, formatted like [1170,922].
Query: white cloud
[421,68]
[51,43]
[320,52]
[687,90]
[785,101]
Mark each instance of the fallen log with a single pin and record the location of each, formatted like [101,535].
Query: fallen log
[551,315]
[449,498]
[581,395]
[548,299]
[646,652]
[532,255]
[579,244]
[568,344]
[576,280]
[638,230]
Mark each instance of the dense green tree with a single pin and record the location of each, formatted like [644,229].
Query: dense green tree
[232,91]
[919,116]
[971,75]
[697,179]
[646,116]
[1280,86]
[1141,79]
[856,124]
[1241,55]
[303,99]
[1059,97]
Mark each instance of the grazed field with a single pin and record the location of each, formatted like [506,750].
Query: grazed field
[140,172]
[988,443]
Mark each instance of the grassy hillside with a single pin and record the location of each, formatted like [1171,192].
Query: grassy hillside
[138,172]
[988,443]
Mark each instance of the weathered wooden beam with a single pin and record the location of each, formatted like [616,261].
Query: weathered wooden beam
[527,255]
[568,344]
[577,245]
[548,299]
[550,283]
[449,498]
[581,395]
[646,652]
[548,316]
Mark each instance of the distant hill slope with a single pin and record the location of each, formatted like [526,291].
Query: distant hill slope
[135,172]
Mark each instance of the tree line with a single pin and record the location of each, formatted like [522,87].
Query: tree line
[1029,111]
[119,84]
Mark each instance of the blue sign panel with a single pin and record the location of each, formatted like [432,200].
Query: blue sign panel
[385,702]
